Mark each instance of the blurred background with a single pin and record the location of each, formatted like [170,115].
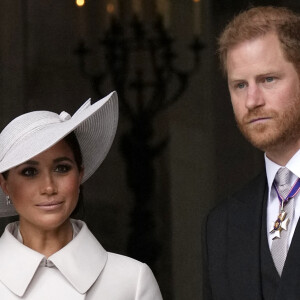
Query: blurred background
[177,152]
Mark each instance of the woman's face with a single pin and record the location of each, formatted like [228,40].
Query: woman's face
[45,189]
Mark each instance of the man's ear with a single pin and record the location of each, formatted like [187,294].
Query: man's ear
[3,184]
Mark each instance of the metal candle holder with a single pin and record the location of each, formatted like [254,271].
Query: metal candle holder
[140,65]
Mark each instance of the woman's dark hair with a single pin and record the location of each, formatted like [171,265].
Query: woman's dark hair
[5,174]
[73,143]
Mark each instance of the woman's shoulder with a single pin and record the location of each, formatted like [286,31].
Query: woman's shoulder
[134,279]
[116,263]
[123,261]
[128,267]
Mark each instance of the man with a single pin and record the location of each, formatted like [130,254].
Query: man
[252,241]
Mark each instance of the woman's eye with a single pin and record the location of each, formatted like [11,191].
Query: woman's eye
[240,85]
[29,172]
[63,168]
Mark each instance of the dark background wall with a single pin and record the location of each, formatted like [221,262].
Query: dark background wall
[205,159]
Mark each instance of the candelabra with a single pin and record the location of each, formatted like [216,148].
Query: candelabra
[140,64]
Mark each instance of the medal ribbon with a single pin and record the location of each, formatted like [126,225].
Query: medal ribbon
[292,193]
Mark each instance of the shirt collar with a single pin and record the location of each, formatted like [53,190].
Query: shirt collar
[81,261]
[294,164]
[271,168]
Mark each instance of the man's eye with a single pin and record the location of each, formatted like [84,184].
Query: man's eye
[269,79]
[62,168]
[29,172]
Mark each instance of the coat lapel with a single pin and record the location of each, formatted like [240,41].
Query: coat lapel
[289,287]
[244,225]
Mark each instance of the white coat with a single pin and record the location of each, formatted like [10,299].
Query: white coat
[80,270]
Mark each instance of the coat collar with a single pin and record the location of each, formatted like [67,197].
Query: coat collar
[80,262]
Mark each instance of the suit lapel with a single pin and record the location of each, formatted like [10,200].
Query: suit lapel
[244,224]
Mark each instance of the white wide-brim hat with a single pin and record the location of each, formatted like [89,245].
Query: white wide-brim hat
[32,133]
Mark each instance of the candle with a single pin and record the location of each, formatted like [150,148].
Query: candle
[197,17]
[167,14]
[159,7]
[112,8]
[80,2]
[81,18]
[163,8]
[137,8]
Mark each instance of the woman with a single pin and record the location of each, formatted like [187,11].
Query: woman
[44,159]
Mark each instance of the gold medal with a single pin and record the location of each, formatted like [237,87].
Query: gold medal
[280,224]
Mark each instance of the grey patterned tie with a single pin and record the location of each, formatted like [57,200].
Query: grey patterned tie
[279,248]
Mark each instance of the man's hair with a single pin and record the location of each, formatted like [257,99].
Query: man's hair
[258,21]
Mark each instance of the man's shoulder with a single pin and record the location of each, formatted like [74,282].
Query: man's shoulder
[251,189]
[253,186]
[236,208]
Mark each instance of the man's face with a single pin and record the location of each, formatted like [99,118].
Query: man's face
[265,93]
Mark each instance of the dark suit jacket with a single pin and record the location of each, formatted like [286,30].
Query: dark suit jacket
[232,244]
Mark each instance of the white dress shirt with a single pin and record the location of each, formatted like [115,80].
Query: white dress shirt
[273,202]
[82,270]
